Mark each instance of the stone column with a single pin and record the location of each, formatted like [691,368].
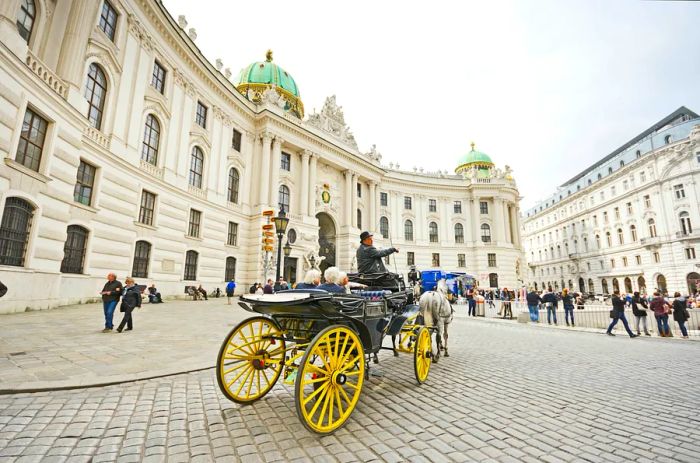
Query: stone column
[71,62]
[506,220]
[353,192]
[448,234]
[305,182]
[372,223]
[275,171]
[498,222]
[8,28]
[476,219]
[348,198]
[516,226]
[265,170]
[248,147]
[312,183]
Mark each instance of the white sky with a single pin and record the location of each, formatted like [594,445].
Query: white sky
[548,87]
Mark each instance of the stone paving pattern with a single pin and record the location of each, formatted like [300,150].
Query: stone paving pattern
[509,392]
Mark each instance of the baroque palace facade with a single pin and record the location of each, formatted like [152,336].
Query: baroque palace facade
[124,150]
[627,222]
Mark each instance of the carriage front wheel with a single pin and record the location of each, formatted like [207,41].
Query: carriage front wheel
[250,360]
[422,354]
[329,379]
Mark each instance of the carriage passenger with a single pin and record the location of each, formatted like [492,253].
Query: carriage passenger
[311,280]
[332,277]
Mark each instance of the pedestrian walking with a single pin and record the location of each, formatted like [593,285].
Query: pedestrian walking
[639,306]
[471,302]
[506,304]
[131,299]
[111,292]
[661,310]
[230,289]
[568,302]
[550,303]
[680,313]
[618,313]
[533,301]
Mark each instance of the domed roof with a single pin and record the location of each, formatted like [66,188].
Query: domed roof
[473,158]
[257,77]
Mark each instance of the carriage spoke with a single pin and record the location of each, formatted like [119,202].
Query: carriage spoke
[323,409]
[228,385]
[313,394]
[240,365]
[319,399]
[341,412]
[330,408]
[245,380]
[345,395]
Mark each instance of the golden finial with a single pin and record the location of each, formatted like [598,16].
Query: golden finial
[268,56]
[473,145]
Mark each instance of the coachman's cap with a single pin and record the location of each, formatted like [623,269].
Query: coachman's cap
[364,235]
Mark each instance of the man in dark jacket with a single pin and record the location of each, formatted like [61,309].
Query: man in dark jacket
[550,302]
[111,293]
[369,258]
[131,299]
[618,313]
[533,302]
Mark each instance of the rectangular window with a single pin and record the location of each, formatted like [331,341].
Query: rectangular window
[605,216]
[383,199]
[84,184]
[612,263]
[679,191]
[432,205]
[436,259]
[624,261]
[595,220]
[483,207]
[617,212]
[458,207]
[286,162]
[148,205]
[195,221]
[201,116]
[638,260]
[108,20]
[31,140]
[492,259]
[359,190]
[232,239]
[236,140]
[642,177]
[629,208]
[410,258]
[407,203]
[588,265]
[690,253]
[158,77]
[647,201]
[461,260]
[657,257]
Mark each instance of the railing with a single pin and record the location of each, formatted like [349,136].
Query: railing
[96,136]
[690,235]
[650,241]
[200,193]
[45,74]
[154,171]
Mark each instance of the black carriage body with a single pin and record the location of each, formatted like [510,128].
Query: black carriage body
[370,316]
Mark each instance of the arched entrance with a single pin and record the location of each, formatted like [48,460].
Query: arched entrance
[628,285]
[326,240]
[604,282]
[642,285]
[581,285]
[616,285]
[693,280]
[591,288]
[661,284]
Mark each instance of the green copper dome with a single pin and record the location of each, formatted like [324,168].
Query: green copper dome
[473,158]
[255,78]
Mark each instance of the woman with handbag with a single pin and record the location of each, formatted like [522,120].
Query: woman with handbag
[618,313]
[639,306]
[661,310]
[131,298]
[680,313]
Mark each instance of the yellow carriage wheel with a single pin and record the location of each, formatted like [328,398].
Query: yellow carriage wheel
[330,379]
[422,354]
[250,360]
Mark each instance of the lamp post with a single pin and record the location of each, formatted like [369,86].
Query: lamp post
[287,249]
[281,222]
[312,261]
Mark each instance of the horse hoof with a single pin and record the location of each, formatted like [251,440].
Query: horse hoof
[446,354]
[396,354]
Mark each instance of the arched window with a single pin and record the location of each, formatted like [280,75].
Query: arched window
[686,226]
[151,138]
[384,227]
[433,232]
[459,233]
[604,282]
[14,231]
[591,287]
[597,241]
[628,285]
[493,280]
[196,167]
[608,238]
[233,180]
[230,273]
[667,139]
[142,256]
[661,284]
[74,250]
[620,236]
[25,19]
[408,230]
[641,284]
[652,228]
[585,244]
[95,94]
[283,201]
[638,154]
[616,285]
[359,218]
[486,235]
[191,265]
[633,232]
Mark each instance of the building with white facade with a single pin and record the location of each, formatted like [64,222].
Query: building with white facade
[125,150]
[627,222]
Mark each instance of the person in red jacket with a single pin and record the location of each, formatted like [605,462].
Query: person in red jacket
[661,310]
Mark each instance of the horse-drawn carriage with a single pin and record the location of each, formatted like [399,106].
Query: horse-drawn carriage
[321,343]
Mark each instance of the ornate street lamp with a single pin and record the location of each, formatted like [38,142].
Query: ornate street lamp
[287,249]
[281,222]
[312,261]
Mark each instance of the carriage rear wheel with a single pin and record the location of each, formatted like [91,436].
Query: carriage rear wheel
[422,354]
[250,360]
[329,379]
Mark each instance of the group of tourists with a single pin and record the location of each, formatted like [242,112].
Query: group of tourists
[129,294]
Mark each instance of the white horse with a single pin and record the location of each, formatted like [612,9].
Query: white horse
[437,311]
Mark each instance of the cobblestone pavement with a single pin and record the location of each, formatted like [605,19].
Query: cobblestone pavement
[65,347]
[509,392]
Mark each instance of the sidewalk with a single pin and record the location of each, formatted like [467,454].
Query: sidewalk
[65,348]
